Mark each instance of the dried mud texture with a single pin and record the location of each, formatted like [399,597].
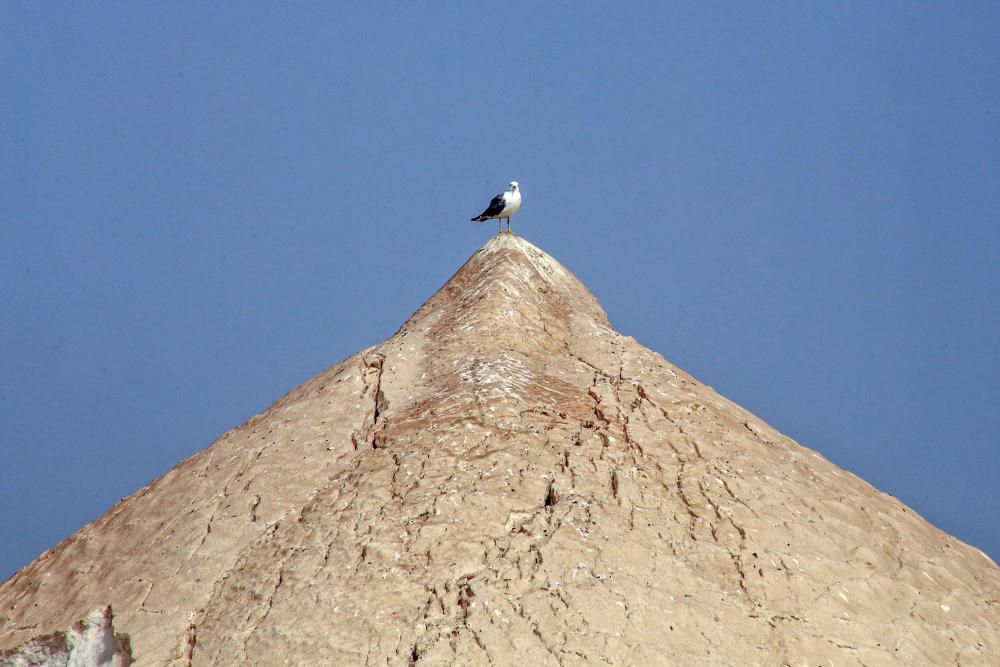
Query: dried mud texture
[507,480]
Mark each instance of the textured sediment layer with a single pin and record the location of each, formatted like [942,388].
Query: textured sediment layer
[508,480]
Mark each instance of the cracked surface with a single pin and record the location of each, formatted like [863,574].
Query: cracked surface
[509,481]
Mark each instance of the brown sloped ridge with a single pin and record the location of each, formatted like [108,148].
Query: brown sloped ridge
[507,480]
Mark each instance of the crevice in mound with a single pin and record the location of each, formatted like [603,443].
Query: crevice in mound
[192,640]
[372,430]
[550,495]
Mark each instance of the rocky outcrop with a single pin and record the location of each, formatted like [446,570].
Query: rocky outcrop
[91,642]
[508,480]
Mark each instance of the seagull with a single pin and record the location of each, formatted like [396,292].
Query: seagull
[503,206]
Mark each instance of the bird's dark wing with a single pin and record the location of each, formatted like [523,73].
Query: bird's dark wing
[494,208]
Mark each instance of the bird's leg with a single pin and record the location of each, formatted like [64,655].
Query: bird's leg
[500,220]
[508,224]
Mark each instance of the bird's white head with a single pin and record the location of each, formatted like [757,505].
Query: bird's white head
[513,186]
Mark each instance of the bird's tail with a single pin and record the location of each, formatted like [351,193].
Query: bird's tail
[478,218]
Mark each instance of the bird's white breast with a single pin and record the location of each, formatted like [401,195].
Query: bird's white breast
[512,202]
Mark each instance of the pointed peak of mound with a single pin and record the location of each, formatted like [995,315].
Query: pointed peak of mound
[502,291]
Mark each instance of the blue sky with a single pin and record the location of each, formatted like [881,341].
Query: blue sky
[202,207]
